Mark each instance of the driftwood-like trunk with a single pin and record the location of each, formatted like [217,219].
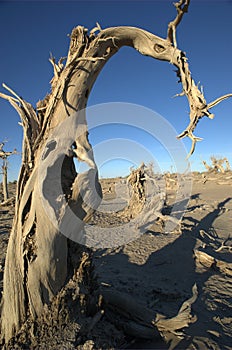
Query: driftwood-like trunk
[38,258]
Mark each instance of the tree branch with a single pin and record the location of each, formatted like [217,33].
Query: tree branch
[87,57]
[25,109]
[149,44]
[4,154]
[182,8]
[30,122]
[218,100]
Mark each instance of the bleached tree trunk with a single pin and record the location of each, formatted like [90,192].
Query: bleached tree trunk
[38,257]
[4,181]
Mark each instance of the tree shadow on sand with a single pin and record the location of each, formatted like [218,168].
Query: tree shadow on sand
[165,279]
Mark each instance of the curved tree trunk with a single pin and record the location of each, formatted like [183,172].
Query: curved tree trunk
[38,259]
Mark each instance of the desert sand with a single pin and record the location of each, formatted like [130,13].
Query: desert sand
[159,269]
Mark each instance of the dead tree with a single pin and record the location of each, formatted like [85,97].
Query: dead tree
[227,164]
[4,156]
[136,180]
[217,165]
[4,180]
[38,255]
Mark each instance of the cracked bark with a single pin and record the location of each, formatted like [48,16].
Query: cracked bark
[37,261]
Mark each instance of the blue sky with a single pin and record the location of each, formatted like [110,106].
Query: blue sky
[30,30]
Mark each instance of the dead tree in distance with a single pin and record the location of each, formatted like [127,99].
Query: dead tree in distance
[4,156]
[38,256]
[219,165]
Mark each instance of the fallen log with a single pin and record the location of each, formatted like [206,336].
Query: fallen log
[137,320]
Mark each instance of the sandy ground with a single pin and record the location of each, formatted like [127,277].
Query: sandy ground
[159,269]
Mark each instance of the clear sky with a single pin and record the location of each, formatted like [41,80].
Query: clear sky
[30,30]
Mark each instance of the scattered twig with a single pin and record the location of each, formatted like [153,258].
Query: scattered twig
[204,233]
[224,246]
